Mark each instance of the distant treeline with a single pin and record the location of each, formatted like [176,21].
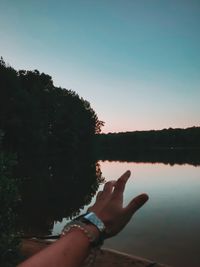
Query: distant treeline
[167,145]
[166,138]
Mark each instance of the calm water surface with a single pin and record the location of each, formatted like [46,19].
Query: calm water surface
[167,228]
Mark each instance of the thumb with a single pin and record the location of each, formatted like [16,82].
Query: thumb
[136,203]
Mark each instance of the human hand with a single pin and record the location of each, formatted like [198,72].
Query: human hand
[109,205]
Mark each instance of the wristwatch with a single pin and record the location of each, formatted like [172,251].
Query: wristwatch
[82,221]
[91,218]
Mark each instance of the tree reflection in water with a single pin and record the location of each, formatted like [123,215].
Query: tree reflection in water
[54,188]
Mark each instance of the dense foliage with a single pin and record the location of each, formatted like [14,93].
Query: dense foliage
[9,198]
[166,138]
[37,117]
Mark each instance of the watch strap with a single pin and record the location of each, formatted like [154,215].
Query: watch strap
[96,242]
[92,218]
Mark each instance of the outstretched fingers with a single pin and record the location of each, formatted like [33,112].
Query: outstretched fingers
[108,187]
[107,191]
[120,185]
[136,204]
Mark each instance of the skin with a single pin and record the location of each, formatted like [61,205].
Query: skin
[72,249]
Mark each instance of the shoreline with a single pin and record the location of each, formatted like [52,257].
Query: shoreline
[105,257]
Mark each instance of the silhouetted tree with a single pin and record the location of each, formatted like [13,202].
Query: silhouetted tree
[38,117]
[50,130]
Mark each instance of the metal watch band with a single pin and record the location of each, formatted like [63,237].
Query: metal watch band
[93,219]
[80,225]
[96,242]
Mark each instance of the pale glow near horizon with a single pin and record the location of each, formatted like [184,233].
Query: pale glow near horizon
[137,63]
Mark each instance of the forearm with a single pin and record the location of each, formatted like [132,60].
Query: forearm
[69,251]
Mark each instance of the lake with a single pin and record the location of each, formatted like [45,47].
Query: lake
[167,228]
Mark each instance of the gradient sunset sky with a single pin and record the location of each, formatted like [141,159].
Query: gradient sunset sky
[136,61]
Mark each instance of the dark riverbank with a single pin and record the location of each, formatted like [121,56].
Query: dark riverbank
[170,146]
[159,155]
[105,257]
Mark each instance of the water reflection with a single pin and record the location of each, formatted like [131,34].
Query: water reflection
[168,156]
[54,188]
[166,229]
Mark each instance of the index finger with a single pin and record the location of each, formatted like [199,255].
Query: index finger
[121,183]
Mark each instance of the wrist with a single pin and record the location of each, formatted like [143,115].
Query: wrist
[93,229]
[90,225]
[90,231]
[92,219]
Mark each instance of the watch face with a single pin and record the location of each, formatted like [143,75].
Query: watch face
[91,217]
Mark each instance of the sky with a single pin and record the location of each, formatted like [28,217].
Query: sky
[136,61]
